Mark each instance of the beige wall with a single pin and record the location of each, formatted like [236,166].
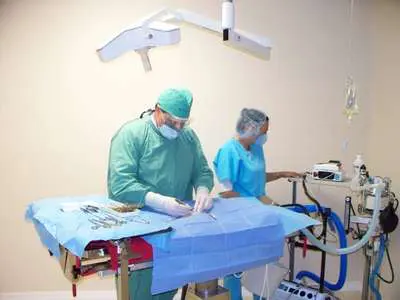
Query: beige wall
[59,105]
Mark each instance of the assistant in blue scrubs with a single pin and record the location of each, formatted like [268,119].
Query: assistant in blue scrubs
[241,170]
[240,166]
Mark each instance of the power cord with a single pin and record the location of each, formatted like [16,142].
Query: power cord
[395,199]
[357,234]
[391,268]
[315,201]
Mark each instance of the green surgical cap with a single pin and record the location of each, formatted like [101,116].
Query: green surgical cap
[176,102]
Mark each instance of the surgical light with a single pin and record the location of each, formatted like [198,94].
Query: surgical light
[155,30]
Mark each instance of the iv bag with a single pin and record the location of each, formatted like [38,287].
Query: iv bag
[351,106]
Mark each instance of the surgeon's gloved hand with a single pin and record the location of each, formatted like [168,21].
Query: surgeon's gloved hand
[203,199]
[166,205]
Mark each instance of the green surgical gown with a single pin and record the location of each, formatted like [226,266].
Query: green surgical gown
[142,160]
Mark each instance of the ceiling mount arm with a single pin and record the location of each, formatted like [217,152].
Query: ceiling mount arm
[156,30]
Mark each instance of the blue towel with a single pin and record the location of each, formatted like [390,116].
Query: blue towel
[244,235]
[72,229]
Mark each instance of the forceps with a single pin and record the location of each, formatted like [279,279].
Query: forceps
[212,216]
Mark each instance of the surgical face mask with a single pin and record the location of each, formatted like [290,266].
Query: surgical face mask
[262,139]
[168,132]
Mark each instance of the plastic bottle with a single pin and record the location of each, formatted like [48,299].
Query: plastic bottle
[357,163]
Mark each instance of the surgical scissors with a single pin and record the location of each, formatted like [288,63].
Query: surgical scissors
[97,219]
[102,218]
[105,215]
[97,224]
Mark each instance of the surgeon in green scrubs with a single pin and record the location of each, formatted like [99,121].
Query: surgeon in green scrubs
[154,161]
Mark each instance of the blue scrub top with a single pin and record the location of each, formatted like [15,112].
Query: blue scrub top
[244,169]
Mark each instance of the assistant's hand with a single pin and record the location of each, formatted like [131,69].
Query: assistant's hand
[267,200]
[290,174]
[203,199]
[167,205]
